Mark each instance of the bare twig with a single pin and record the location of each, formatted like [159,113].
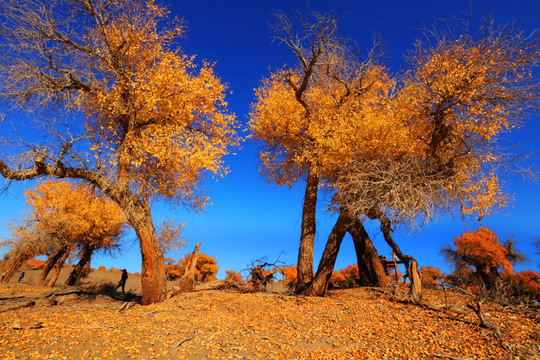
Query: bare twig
[25,305]
[443,356]
[183,341]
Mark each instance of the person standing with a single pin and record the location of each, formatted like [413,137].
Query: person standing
[122,282]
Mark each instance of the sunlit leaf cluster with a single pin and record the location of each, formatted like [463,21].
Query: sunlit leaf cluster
[482,249]
[152,111]
[75,214]
[336,124]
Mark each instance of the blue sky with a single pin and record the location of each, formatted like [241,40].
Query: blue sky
[250,218]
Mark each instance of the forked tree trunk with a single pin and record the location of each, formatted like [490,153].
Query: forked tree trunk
[15,265]
[412,271]
[51,261]
[58,268]
[370,267]
[320,282]
[187,281]
[304,265]
[86,255]
[154,280]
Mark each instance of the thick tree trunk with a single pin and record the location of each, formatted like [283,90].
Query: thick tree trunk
[86,255]
[307,238]
[154,279]
[58,268]
[187,281]
[489,276]
[319,284]
[15,265]
[51,261]
[370,267]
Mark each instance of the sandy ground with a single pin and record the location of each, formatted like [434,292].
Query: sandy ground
[360,323]
[96,277]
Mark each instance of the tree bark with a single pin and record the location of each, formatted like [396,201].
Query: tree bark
[307,238]
[51,261]
[319,284]
[489,276]
[58,268]
[17,262]
[370,267]
[187,281]
[86,255]
[416,283]
[154,279]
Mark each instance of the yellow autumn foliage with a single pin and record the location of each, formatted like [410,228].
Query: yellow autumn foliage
[75,214]
[153,113]
[336,127]
[482,249]
[410,145]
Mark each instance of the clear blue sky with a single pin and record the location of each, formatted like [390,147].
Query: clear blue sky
[250,218]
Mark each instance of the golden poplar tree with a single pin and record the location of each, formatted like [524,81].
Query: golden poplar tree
[141,120]
[311,117]
[77,217]
[399,150]
[482,250]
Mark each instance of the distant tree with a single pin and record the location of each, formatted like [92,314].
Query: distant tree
[26,242]
[350,273]
[36,264]
[147,122]
[76,216]
[482,251]
[431,276]
[289,274]
[526,283]
[337,277]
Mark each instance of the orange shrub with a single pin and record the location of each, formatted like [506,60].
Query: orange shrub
[350,272]
[205,269]
[36,264]
[527,282]
[337,277]
[289,274]
[233,276]
[430,276]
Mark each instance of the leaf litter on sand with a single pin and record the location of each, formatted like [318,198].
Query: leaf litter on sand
[356,323]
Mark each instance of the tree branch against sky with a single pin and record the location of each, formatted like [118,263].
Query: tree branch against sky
[155,123]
